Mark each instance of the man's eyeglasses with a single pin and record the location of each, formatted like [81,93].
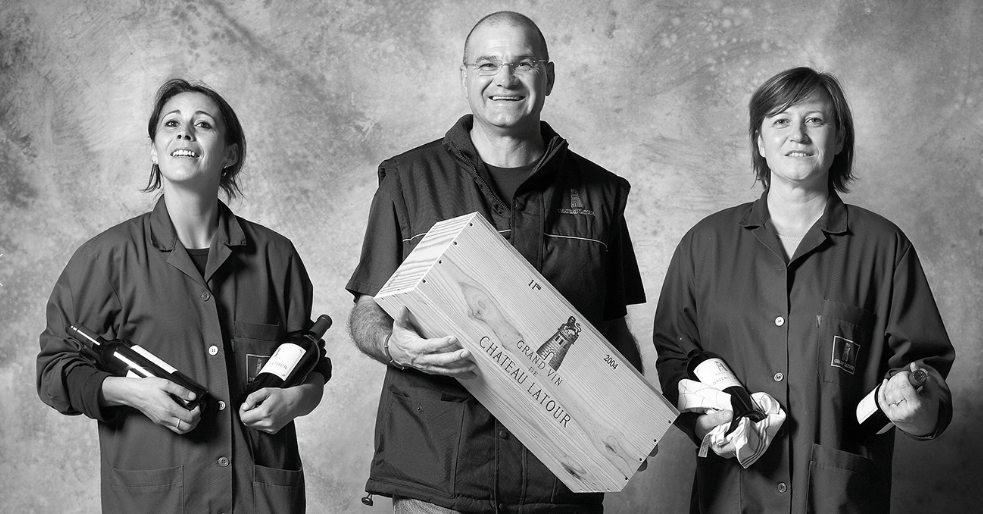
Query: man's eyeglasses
[492,67]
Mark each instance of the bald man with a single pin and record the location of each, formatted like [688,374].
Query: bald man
[436,448]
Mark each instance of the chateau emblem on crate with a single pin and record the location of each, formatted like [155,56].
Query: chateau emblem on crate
[556,348]
[593,423]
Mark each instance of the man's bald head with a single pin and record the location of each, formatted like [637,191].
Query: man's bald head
[513,19]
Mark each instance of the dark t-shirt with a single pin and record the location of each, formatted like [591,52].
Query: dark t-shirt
[506,181]
[199,256]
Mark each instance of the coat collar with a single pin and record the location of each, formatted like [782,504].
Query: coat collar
[835,219]
[163,236]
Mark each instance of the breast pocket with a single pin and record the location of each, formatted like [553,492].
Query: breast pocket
[254,343]
[844,341]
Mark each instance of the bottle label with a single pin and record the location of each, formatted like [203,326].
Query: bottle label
[153,358]
[715,373]
[868,406]
[284,360]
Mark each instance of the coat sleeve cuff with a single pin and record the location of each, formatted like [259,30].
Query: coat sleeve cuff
[324,368]
[84,384]
[945,417]
[686,422]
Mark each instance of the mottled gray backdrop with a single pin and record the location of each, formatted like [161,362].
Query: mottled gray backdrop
[654,90]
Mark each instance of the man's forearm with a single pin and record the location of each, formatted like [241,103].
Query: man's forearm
[369,326]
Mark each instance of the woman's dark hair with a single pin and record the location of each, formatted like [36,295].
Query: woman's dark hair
[789,88]
[233,131]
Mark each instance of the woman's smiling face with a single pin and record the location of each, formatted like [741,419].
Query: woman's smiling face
[800,142]
[190,146]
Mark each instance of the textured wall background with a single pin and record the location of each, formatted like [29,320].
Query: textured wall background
[654,90]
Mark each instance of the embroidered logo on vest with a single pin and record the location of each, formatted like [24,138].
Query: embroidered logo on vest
[556,347]
[576,205]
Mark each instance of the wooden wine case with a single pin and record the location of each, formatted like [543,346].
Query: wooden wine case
[543,370]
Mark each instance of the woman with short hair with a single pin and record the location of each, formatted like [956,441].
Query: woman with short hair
[812,301]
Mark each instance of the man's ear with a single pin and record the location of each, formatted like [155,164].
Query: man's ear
[550,77]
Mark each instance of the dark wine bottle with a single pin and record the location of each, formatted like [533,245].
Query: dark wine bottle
[708,368]
[869,413]
[293,359]
[125,359]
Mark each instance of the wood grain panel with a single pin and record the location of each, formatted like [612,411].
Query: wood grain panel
[543,370]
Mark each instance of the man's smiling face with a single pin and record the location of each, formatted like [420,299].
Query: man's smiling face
[509,101]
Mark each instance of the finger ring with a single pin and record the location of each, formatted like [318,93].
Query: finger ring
[179,424]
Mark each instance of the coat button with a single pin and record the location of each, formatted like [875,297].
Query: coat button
[221,405]
[779,377]
[503,434]
[223,461]
[782,487]
[213,350]
[779,321]
[205,295]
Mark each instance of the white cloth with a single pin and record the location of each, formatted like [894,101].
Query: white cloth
[750,439]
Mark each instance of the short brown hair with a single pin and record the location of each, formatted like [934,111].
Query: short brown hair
[789,88]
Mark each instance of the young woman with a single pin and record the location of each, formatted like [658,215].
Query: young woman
[210,294]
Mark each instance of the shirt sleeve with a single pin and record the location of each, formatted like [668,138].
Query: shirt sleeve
[68,381]
[624,280]
[915,332]
[382,247]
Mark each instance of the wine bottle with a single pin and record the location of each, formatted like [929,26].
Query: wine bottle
[125,359]
[869,414]
[710,369]
[293,359]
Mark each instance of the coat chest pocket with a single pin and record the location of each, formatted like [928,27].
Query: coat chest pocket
[844,341]
[254,343]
